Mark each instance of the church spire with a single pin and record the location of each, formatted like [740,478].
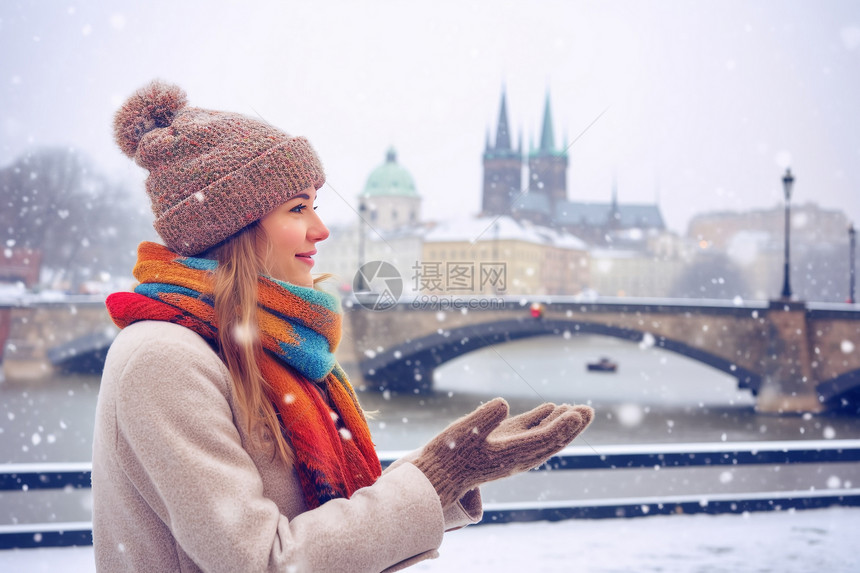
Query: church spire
[547,138]
[503,133]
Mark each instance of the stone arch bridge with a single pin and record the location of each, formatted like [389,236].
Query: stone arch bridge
[794,357]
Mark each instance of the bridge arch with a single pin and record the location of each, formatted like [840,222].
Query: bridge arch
[408,367]
[841,392]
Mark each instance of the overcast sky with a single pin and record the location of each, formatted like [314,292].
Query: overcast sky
[706,102]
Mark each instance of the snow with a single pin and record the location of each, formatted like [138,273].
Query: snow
[819,540]
[812,540]
[473,230]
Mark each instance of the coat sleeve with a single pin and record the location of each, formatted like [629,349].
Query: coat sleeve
[179,445]
[468,510]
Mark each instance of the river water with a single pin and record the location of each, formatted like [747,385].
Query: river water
[654,397]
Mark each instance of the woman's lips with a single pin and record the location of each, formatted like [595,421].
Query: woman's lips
[306,257]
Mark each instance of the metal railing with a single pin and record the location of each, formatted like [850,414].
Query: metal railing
[69,476]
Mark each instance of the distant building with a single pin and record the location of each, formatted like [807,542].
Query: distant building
[20,264]
[389,227]
[500,255]
[543,200]
[619,272]
[754,241]
[528,239]
[810,224]
[547,170]
[503,166]
[389,201]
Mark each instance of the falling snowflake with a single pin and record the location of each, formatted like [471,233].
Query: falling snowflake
[648,341]
[630,415]
[244,333]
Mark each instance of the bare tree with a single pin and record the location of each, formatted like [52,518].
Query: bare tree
[53,201]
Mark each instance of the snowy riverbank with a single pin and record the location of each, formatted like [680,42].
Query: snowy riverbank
[802,541]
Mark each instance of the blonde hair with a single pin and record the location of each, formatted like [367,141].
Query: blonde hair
[235,293]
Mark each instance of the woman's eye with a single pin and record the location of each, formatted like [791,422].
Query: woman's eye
[298,208]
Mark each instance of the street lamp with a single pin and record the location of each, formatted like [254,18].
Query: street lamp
[851,235]
[787,183]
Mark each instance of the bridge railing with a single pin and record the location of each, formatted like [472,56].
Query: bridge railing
[29,478]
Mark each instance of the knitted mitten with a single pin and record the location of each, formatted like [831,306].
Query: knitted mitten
[487,445]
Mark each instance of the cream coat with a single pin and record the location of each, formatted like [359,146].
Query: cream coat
[180,485]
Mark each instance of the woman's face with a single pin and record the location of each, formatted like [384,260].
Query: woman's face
[289,238]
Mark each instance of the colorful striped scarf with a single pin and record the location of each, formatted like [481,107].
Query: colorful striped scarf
[299,329]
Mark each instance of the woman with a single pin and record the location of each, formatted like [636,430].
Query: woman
[227,438]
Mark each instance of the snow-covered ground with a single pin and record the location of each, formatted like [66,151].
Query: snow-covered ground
[814,540]
[797,542]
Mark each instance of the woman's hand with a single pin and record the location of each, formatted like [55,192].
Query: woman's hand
[486,445]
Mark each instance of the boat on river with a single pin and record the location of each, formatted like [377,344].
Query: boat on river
[603,365]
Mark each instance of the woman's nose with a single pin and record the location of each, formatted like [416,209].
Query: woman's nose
[318,231]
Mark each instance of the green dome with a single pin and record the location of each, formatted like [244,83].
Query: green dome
[390,179]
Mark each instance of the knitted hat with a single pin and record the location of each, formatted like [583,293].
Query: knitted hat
[211,173]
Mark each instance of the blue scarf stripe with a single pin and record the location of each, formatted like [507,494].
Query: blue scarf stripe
[312,295]
[311,355]
[198,263]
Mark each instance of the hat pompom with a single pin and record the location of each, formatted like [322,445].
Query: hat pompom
[151,107]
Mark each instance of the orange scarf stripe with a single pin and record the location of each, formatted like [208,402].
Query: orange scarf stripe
[323,320]
[345,403]
[174,274]
[194,306]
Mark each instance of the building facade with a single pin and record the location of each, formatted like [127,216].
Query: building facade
[503,256]
[389,227]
